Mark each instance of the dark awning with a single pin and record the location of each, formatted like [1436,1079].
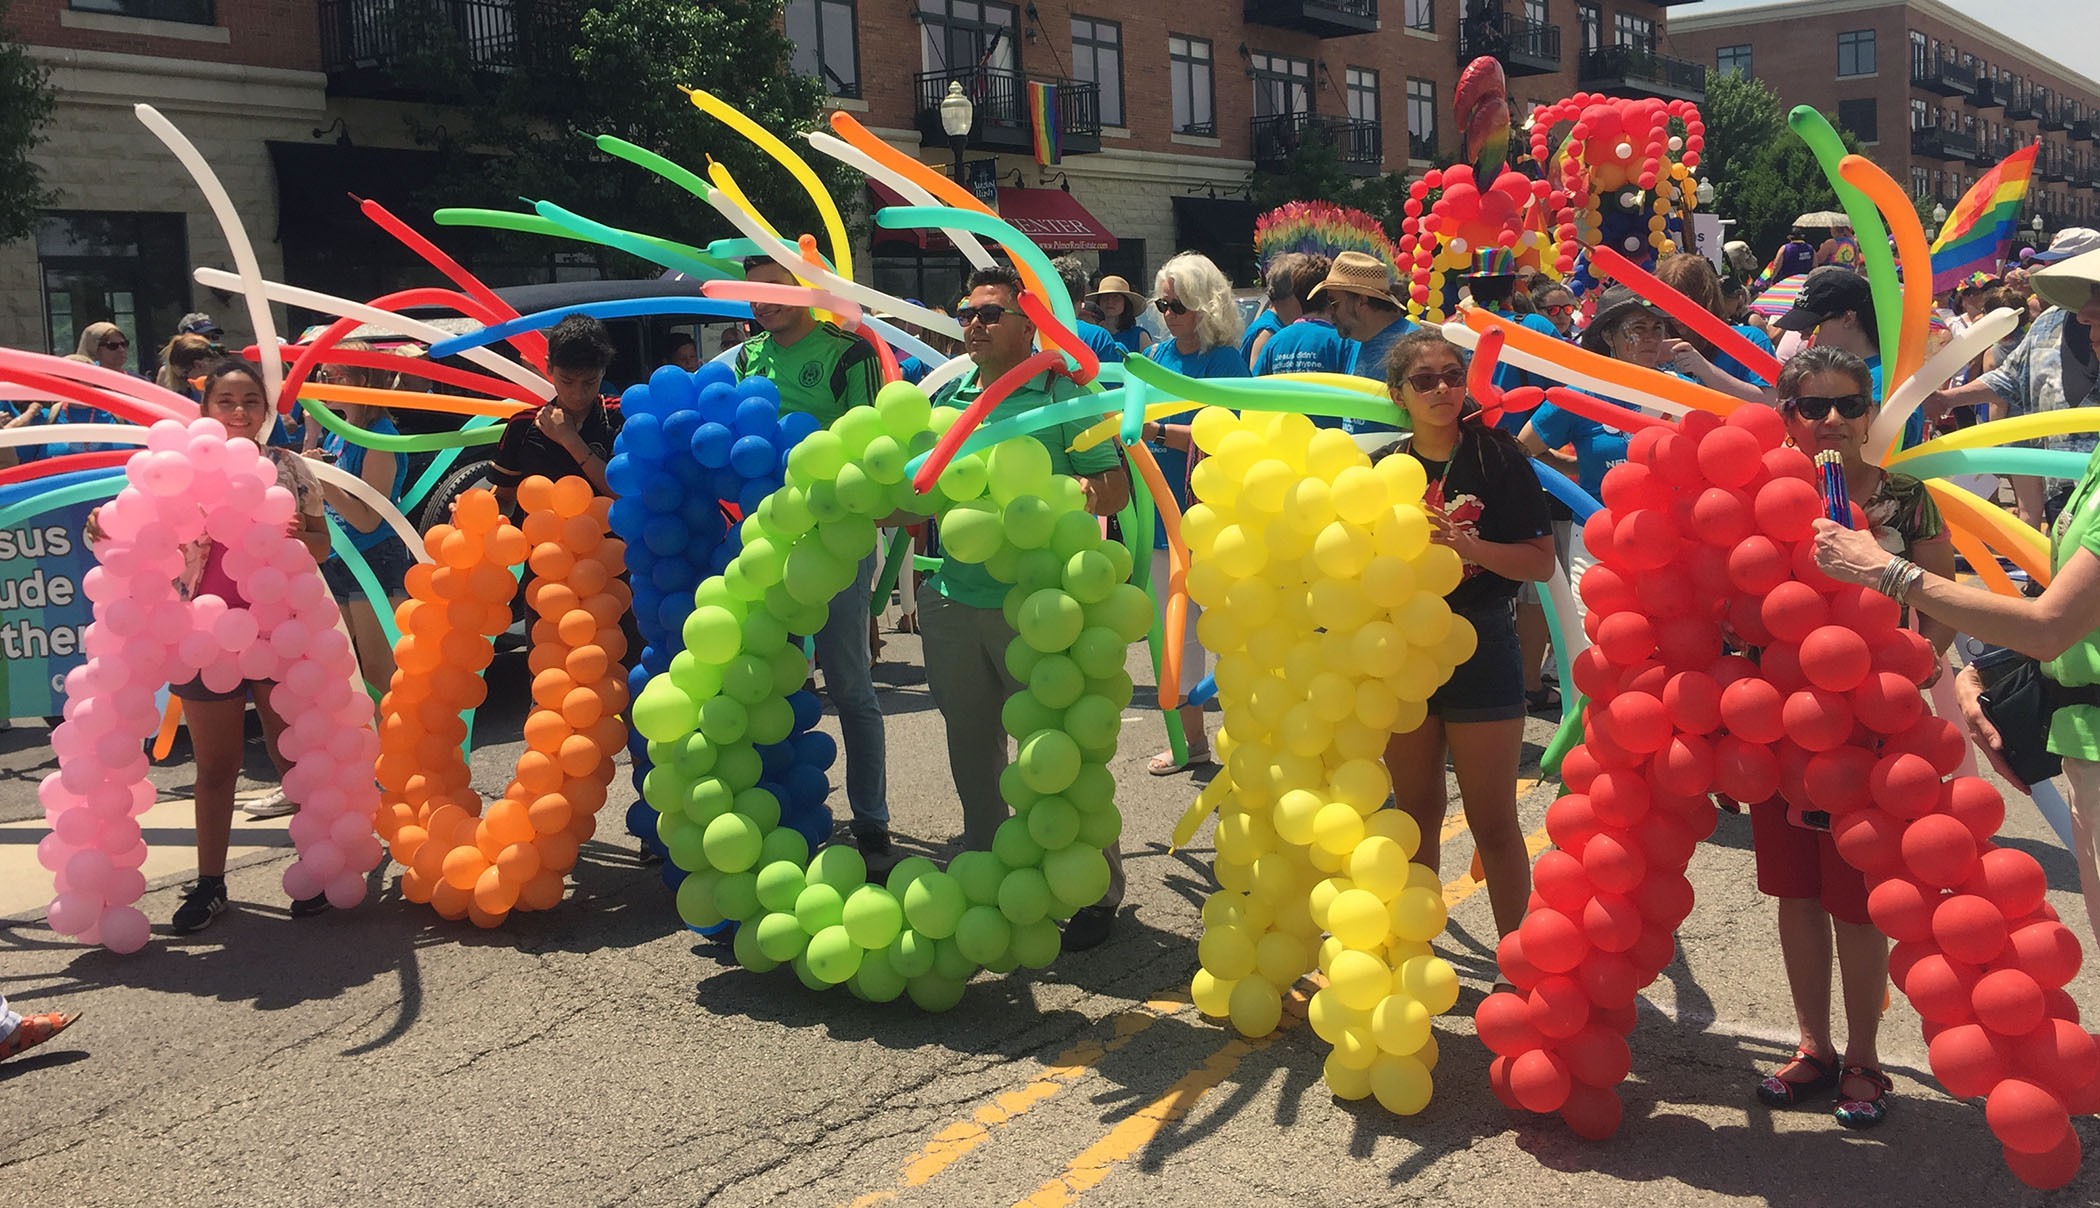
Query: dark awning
[1051,219]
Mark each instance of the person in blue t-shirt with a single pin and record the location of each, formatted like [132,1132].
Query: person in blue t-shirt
[1359,291]
[1311,344]
[1278,282]
[1072,271]
[1552,314]
[1120,308]
[1836,308]
[1203,323]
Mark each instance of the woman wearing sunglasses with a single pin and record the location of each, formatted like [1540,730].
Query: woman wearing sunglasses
[106,345]
[1827,401]
[1203,324]
[1484,503]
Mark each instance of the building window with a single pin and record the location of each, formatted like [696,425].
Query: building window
[1188,65]
[1421,119]
[1589,20]
[1637,32]
[1282,84]
[1733,59]
[822,31]
[960,35]
[1860,117]
[1097,55]
[1535,11]
[1856,52]
[1919,182]
[189,12]
[1362,89]
[1920,56]
[1421,14]
[121,267]
[1919,118]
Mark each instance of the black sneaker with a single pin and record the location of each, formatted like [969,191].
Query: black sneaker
[1088,926]
[875,851]
[202,901]
[307,907]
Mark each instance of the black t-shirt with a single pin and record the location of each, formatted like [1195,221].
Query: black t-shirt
[525,450]
[1488,486]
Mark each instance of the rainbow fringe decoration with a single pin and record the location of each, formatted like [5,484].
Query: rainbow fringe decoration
[1323,228]
[1043,124]
[1980,230]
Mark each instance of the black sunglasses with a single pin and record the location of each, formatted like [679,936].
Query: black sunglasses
[1427,381]
[988,314]
[116,343]
[1170,306]
[1812,409]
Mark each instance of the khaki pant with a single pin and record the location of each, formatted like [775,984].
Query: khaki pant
[965,651]
[2083,776]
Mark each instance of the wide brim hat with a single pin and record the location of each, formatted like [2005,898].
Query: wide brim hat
[1113,284]
[1613,304]
[1359,273]
[2068,283]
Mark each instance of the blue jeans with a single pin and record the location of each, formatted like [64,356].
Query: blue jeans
[842,651]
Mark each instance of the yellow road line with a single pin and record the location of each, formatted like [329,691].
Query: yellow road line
[1134,1132]
[951,1143]
[1465,887]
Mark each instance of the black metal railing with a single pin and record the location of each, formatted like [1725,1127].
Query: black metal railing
[1359,144]
[2051,114]
[999,99]
[1989,94]
[1939,142]
[1526,47]
[1943,75]
[1322,18]
[1644,70]
[367,42]
[2020,106]
[2080,129]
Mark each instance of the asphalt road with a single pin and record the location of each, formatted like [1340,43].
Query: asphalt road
[601,1054]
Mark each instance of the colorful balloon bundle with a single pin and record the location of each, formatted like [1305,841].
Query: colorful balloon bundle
[691,442]
[190,483]
[1075,614]
[1514,213]
[1481,105]
[1320,227]
[1324,601]
[465,863]
[1623,158]
[1705,537]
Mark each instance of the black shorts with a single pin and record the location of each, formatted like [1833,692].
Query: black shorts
[389,561]
[1490,685]
[195,690]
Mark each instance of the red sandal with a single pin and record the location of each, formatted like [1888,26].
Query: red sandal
[33,1031]
[1776,1091]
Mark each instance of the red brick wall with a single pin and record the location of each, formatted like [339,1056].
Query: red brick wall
[261,33]
[890,56]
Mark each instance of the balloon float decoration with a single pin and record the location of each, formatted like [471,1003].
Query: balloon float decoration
[1320,228]
[464,862]
[1481,104]
[191,482]
[1626,167]
[725,696]
[1324,602]
[692,442]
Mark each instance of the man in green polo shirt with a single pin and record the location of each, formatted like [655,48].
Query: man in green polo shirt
[965,631]
[826,372]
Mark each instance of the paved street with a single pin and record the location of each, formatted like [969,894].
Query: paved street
[602,1054]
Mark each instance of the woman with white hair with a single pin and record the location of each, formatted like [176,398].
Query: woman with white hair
[1196,301]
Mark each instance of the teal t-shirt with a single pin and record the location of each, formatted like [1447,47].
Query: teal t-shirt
[2075,730]
[968,582]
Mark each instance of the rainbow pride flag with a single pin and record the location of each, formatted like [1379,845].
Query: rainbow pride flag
[1043,123]
[1979,232]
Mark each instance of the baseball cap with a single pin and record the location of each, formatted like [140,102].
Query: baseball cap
[1828,291]
[197,323]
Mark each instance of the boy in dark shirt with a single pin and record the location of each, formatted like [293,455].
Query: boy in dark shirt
[573,432]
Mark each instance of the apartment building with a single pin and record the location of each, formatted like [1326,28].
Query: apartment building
[1936,96]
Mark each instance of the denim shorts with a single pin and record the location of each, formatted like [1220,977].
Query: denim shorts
[1490,685]
[389,561]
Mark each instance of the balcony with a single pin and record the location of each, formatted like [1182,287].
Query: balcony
[2051,116]
[1524,47]
[1989,94]
[1632,71]
[1944,76]
[388,48]
[2020,106]
[1320,18]
[2051,166]
[2081,129]
[1357,143]
[1938,142]
[1001,100]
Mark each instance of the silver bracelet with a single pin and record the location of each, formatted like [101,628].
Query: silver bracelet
[1891,574]
[1913,575]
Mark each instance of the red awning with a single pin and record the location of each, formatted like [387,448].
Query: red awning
[1051,218]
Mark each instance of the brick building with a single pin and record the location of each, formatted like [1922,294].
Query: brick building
[1167,109]
[1164,111]
[1937,97]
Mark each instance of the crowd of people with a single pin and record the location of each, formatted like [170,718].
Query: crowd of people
[1316,315]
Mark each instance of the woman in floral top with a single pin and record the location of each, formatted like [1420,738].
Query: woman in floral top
[1827,399]
[233,394]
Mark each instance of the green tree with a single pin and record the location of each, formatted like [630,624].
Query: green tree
[1763,176]
[617,69]
[26,102]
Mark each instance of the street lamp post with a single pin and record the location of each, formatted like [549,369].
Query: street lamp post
[957,116]
[1939,219]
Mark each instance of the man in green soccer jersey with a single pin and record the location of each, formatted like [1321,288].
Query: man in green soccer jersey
[826,372]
